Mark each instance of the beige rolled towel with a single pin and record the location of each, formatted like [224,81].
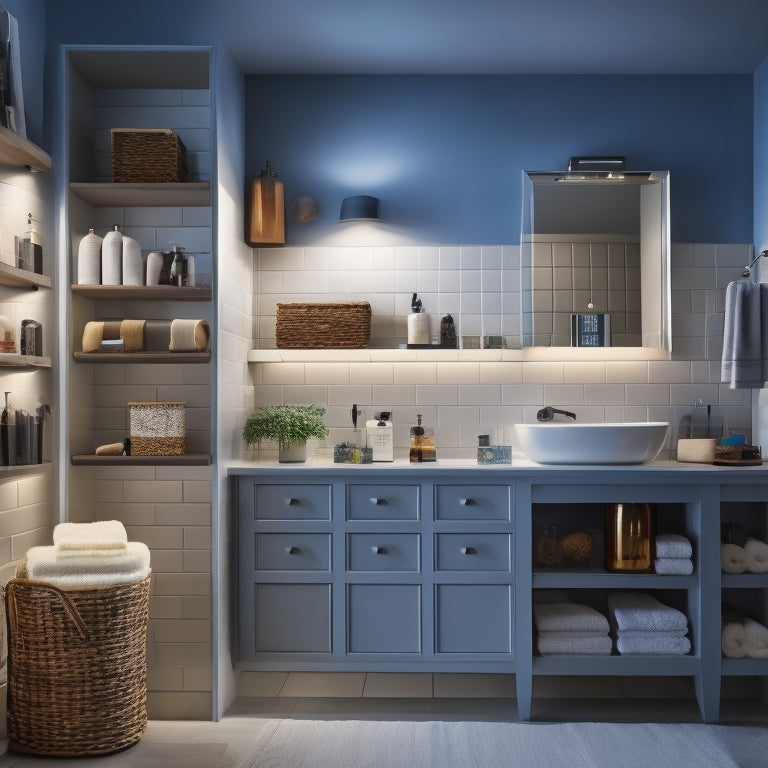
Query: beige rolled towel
[132,334]
[93,333]
[111,449]
[189,335]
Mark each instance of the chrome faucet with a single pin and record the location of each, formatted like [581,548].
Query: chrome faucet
[548,413]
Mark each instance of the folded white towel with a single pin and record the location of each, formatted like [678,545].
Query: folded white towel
[656,633]
[631,610]
[651,644]
[733,639]
[43,563]
[85,580]
[732,558]
[63,554]
[103,534]
[676,566]
[756,556]
[568,616]
[562,642]
[756,639]
[673,545]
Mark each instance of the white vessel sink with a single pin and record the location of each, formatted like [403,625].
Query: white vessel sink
[574,443]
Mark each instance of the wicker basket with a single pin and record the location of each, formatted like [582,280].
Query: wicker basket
[148,155]
[77,667]
[157,428]
[322,326]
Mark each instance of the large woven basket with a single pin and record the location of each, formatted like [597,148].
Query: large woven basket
[77,667]
[148,155]
[157,428]
[323,325]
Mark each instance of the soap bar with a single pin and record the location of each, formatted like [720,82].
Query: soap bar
[701,450]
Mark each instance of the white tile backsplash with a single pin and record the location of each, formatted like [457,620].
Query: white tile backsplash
[480,287]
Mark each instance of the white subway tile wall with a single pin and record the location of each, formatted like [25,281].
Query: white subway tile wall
[464,399]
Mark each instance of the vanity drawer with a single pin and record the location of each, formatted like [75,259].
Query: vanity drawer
[293,502]
[473,552]
[472,502]
[383,502]
[293,552]
[383,551]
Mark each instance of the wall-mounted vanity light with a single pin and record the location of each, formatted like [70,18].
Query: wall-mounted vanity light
[360,208]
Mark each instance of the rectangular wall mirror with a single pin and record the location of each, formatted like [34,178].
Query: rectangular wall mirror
[595,260]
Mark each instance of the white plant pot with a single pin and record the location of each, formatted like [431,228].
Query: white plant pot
[293,454]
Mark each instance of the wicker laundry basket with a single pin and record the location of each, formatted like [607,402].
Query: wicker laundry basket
[321,325]
[77,668]
[148,155]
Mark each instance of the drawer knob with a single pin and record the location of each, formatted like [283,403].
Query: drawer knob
[378,502]
[468,551]
[292,550]
[378,550]
[290,501]
[466,502]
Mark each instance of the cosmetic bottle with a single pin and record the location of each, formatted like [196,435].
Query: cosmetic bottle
[422,448]
[418,323]
[380,437]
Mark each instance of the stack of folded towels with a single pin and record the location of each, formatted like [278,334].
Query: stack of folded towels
[742,636]
[739,552]
[673,554]
[88,555]
[643,625]
[566,627]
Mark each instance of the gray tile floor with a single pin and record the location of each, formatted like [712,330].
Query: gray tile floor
[273,696]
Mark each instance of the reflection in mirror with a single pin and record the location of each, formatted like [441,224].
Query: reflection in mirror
[595,260]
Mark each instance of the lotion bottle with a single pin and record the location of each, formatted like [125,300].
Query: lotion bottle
[380,437]
[418,323]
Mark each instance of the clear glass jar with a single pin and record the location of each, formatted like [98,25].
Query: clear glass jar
[629,532]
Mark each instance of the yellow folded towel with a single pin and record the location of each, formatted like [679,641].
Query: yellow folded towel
[189,335]
[132,334]
[103,534]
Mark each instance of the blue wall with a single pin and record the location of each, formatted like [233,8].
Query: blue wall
[761,157]
[446,153]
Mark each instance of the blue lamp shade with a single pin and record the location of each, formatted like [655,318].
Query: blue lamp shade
[360,207]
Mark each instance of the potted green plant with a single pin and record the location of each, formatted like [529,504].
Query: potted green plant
[290,426]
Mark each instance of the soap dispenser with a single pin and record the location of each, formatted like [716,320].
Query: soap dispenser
[380,437]
[418,323]
[422,447]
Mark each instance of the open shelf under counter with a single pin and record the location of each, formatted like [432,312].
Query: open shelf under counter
[616,664]
[133,358]
[14,360]
[187,460]
[22,278]
[128,194]
[144,292]
[22,153]
[582,578]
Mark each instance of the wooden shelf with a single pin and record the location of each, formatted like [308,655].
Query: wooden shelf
[142,357]
[22,278]
[15,360]
[144,292]
[561,578]
[188,459]
[107,194]
[22,153]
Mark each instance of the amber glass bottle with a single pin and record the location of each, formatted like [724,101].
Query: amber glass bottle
[629,532]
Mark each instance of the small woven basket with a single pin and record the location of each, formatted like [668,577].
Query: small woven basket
[323,325]
[157,428]
[77,667]
[148,155]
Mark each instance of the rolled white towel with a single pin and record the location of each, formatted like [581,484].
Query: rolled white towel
[756,556]
[756,639]
[565,642]
[732,558]
[630,610]
[733,638]
[102,534]
[673,545]
[676,566]
[569,617]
